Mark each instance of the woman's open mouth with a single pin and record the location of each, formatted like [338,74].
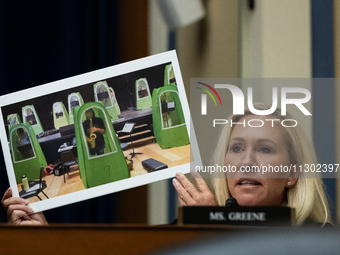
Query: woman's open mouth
[248,182]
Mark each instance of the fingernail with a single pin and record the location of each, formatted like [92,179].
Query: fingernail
[25,201]
[174,180]
[178,174]
[31,209]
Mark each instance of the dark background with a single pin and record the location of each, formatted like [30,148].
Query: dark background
[44,41]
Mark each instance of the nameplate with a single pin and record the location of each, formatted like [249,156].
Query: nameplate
[241,216]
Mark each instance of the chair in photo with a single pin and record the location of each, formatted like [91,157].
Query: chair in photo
[67,160]
[35,187]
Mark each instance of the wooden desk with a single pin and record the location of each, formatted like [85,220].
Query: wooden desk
[103,239]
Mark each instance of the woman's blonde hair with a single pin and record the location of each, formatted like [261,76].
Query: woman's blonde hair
[307,196]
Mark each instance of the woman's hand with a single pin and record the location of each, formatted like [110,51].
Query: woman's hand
[188,195]
[18,211]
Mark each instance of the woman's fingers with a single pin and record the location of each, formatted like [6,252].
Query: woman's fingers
[17,214]
[18,211]
[13,201]
[182,192]
[186,184]
[181,201]
[19,217]
[189,195]
[8,200]
[7,194]
[201,185]
[17,207]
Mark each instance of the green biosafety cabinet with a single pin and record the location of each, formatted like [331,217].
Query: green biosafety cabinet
[13,119]
[102,94]
[26,152]
[143,95]
[73,100]
[100,157]
[60,115]
[168,120]
[29,115]
[169,75]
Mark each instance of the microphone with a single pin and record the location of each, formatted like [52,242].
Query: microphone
[231,202]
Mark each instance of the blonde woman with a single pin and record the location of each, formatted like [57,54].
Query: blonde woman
[271,144]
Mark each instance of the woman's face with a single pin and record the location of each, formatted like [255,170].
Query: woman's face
[257,146]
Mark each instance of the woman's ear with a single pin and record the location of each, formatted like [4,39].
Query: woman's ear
[292,179]
[291,182]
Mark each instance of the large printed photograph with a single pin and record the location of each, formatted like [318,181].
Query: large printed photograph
[97,133]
